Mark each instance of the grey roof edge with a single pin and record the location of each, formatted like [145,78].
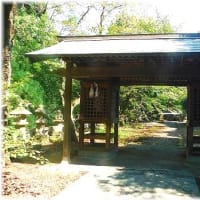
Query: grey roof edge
[38,57]
[40,54]
[131,36]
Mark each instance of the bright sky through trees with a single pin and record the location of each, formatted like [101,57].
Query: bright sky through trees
[183,14]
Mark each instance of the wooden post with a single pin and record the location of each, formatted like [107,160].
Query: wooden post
[67,113]
[81,134]
[190,120]
[108,129]
[116,135]
[92,132]
[189,139]
[116,130]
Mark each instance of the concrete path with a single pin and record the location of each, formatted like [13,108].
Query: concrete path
[110,183]
[137,172]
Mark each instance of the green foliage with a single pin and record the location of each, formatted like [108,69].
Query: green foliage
[130,24]
[34,83]
[139,104]
[18,147]
[75,89]
[51,85]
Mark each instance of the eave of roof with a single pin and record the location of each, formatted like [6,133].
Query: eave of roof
[86,46]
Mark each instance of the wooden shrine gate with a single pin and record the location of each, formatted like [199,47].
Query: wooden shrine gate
[103,63]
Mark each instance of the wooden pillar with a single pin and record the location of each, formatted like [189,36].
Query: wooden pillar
[81,135]
[67,113]
[193,113]
[189,139]
[92,132]
[108,130]
[116,135]
[116,138]
[189,120]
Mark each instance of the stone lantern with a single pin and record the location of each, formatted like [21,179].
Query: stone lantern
[40,122]
[20,120]
[58,118]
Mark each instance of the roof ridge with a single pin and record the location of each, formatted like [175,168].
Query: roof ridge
[130,36]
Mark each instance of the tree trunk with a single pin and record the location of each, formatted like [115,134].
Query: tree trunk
[9,11]
[8,34]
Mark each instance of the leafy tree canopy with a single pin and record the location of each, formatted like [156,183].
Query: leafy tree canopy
[127,24]
[34,82]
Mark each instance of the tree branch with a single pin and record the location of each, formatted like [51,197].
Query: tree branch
[84,14]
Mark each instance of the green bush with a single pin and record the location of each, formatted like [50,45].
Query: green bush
[145,103]
[18,148]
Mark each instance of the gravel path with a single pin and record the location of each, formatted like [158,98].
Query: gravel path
[28,181]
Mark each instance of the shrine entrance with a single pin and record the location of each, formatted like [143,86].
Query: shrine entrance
[104,63]
[100,106]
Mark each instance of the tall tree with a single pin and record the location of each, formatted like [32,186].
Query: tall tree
[106,11]
[75,18]
[9,11]
[34,83]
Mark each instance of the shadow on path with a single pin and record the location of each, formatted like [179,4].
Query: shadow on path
[149,168]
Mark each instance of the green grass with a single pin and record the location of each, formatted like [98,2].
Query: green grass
[197,131]
[136,133]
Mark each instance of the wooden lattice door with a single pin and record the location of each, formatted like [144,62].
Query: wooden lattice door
[98,105]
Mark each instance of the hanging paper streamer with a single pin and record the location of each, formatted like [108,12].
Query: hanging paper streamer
[96,90]
[91,91]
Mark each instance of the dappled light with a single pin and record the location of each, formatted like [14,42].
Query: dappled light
[148,184]
[146,143]
[150,164]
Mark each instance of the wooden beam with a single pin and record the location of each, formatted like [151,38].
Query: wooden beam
[134,69]
[154,80]
[67,113]
[165,69]
[179,76]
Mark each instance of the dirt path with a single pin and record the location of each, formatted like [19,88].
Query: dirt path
[149,166]
[161,144]
[152,166]
[153,143]
[32,181]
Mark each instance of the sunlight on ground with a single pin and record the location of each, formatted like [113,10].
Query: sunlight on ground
[144,131]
